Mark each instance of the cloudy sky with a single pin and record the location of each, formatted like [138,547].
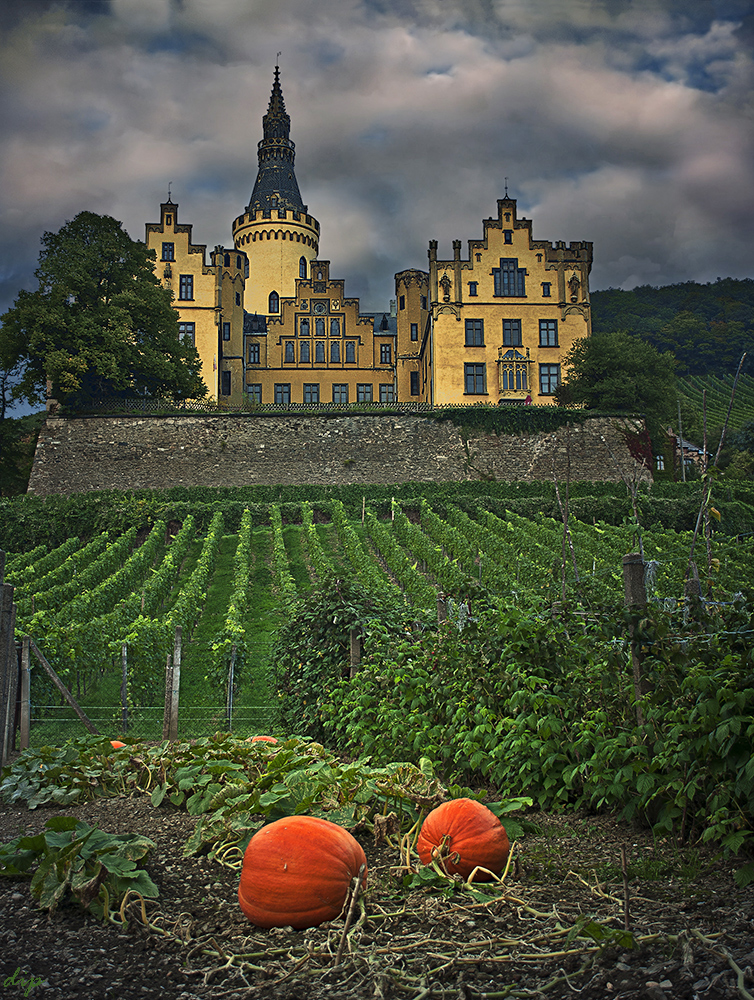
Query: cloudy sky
[624,122]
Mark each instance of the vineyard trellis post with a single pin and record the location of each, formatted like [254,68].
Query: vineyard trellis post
[636,598]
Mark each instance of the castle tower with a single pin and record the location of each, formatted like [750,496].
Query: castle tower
[276,232]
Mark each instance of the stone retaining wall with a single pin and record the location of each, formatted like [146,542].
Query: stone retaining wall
[77,454]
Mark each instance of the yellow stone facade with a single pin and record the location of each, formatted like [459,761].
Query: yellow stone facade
[272,327]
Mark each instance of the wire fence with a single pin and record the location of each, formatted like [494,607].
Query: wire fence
[52,725]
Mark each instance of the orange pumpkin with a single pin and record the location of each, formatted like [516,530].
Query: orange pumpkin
[464,834]
[116,744]
[297,872]
[262,739]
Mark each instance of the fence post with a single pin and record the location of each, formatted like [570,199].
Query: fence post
[8,664]
[25,693]
[124,687]
[442,609]
[636,598]
[176,687]
[168,697]
[355,651]
[231,674]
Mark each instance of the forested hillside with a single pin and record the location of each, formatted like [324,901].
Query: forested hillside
[707,327]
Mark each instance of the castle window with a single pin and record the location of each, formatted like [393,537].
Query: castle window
[473,288]
[225,383]
[414,383]
[385,354]
[350,352]
[168,220]
[364,392]
[290,352]
[186,333]
[283,393]
[226,331]
[186,286]
[546,286]
[475,379]
[548,333]
[274,305]
[238,298]
[319,327]
[402,302]
[514,373]
[319,352]
[239,262]
[474,333]
[414,331]
[334,327]
[335,352]
[424,301]
[387,392]
[253,354]
[226,260]
[507,236]
[273,202]
[311,392]
[319,276]
[478,257]
[549,379]
[340,392]
[511,333]
[168,251]
[303,329]
[302,267]
[254,392]
[304,349]
[509,278]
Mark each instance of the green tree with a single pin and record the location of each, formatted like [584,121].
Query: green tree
[619,373]
[100,324]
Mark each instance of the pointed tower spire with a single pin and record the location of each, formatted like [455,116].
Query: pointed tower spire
[276,186]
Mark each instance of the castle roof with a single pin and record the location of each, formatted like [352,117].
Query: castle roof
[276,186]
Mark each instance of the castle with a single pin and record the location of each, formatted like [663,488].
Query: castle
[272,326]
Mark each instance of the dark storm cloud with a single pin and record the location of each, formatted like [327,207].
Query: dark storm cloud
[618,121]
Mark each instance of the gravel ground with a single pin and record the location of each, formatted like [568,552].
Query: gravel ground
[693,929]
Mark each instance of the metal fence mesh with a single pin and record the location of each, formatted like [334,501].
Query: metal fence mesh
[52,725]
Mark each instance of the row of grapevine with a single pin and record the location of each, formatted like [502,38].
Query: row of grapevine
[363,566]
[321,564]
[413,584]
[233,635]
[284,581]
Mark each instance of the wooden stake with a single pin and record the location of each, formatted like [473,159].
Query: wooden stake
[63,689]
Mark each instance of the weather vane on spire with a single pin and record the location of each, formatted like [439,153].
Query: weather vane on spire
[277,59]
[506,187]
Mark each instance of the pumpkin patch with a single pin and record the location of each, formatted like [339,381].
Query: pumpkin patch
[297,872]
[464,834]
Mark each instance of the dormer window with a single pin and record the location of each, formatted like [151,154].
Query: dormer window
[273,202]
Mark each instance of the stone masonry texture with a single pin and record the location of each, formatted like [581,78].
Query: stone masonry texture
[78,454]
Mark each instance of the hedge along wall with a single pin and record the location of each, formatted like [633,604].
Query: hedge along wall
[79,454]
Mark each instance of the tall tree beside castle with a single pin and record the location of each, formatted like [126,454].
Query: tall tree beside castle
[99,324]
[271,325]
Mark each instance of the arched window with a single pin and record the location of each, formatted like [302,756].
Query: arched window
[274,302]
[334,327]
[302,267]
[227,260]
[304,329]
[319,325]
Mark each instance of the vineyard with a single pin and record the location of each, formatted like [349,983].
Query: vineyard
[86,602]
[692,391]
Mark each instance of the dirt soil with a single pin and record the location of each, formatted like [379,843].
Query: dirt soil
[693,928]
